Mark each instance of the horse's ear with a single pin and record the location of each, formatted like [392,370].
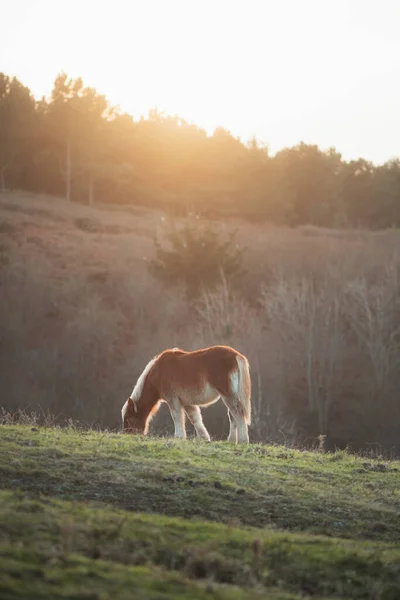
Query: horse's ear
[132,405]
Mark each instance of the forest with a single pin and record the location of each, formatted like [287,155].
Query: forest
[76,145]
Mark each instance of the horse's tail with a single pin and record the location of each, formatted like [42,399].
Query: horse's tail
[244,387]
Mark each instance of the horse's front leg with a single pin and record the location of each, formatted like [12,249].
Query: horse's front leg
[178,416]
[194,414]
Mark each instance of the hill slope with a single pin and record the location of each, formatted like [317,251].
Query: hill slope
[101,515]
[81,315]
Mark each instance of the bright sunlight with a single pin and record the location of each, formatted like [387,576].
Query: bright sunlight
[284,72]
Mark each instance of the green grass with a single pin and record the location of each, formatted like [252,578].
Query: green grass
[97,515]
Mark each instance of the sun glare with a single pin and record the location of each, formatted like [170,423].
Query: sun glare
[282,71]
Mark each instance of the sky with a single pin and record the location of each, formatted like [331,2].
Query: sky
[324,72]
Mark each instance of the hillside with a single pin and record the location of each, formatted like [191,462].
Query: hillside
[100,515]
[316,312]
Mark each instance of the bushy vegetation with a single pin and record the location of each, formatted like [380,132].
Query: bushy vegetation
[87,514]
[197,257]
[76,145]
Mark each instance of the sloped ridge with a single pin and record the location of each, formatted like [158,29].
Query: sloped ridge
[91,512]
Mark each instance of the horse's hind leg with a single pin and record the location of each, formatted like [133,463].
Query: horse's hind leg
[237,421]
[194,414]
[232,437]
[243,434]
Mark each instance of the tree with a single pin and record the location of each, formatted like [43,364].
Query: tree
[359,191]
[196,257]
[93,114]
[17,113]
[256,185]
[76,125]
[308,183]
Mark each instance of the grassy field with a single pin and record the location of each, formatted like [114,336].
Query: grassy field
[96,515]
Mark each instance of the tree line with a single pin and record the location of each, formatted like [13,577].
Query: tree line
[77,145]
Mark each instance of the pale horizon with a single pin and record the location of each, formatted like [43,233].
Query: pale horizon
[324,73]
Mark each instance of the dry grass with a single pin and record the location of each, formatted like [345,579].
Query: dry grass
[318,315]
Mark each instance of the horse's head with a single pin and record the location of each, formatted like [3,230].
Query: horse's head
[132,422]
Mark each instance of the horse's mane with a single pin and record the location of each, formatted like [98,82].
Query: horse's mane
[138,389]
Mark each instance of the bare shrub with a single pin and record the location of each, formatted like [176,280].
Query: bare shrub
[306,319]
[374,315]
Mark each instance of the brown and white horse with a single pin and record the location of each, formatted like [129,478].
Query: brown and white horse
[186,381]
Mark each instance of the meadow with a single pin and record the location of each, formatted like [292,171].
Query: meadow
[308,510]
[96,515]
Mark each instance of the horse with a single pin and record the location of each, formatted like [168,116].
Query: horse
[186,381]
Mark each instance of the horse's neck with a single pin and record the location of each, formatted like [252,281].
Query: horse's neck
[147,400]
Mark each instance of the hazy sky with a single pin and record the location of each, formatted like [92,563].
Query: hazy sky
[318,71]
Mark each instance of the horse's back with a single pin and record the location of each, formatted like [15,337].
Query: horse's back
[206,368]
[218,351]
